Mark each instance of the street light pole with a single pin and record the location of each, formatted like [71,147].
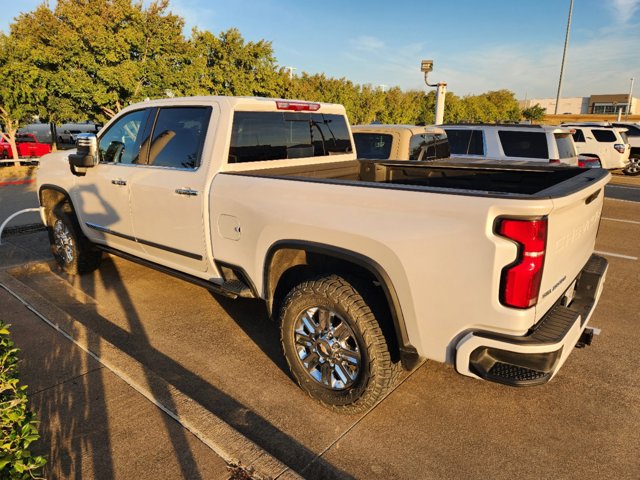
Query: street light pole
[629,100]
[426,66]
[564,55]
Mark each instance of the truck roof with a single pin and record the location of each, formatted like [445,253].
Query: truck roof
[244,103]
[412,129]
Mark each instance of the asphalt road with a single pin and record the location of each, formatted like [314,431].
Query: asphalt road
[225,354]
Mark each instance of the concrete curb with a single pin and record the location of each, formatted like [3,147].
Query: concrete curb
[228,443]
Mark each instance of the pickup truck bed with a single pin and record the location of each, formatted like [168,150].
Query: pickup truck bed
[484,180]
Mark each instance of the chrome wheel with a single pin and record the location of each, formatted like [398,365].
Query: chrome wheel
[327,348]
[63,241]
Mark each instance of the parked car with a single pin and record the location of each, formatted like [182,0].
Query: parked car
[367,265]
[43,132]
[534,143]
[400,142]
[603,141]
[27,145]
[633,137]
[68,132]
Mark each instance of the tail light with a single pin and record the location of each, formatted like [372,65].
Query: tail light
[554,161]
[586,161]
[620,147]
[520,281]
[297,106]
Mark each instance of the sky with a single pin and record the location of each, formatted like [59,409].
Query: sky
[476,46]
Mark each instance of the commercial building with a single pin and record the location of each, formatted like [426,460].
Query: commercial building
[608,104]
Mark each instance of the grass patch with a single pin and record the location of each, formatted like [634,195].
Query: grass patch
[17,172]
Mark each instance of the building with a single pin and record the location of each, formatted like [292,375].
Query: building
[608,104]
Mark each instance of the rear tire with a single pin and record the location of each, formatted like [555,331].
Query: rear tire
[633,168]
[72,250]
[334,345]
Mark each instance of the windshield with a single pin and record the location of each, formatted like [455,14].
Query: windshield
[566,147]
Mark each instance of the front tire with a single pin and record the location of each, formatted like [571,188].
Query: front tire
[334,345]
[633,168]
[72,250]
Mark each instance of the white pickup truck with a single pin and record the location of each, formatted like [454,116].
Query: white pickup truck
[367,265]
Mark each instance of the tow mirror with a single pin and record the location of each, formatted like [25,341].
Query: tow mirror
[86,155]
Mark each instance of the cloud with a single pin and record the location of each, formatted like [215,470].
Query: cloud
[367,43]
[625,9]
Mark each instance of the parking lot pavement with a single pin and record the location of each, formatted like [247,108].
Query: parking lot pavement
[92,423]
[225,356]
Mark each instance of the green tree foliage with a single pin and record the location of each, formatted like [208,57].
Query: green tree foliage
[534,112]
[227,65]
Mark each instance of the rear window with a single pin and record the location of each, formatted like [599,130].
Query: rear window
[428,146]
[373,145]
[566,147]
[260,136]
[604,135]
[465,142]
[524,144]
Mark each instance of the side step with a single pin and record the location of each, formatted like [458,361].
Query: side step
[232,288]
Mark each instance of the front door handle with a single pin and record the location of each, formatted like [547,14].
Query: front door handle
[119,182]
[186,191]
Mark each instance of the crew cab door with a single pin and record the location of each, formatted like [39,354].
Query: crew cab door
[168,191]
[101,196]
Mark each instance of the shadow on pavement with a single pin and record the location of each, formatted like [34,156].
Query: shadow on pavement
[134,340]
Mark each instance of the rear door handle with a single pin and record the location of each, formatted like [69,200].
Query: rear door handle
[119,182]
[186,191]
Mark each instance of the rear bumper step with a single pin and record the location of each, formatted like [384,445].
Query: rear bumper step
[535,358]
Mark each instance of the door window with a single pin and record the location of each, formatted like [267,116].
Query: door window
[121,143]
[465,142]
[578,136]
[524,144]
[178,137]
[428,146]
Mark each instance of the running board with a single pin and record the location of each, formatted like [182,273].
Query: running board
[231,289]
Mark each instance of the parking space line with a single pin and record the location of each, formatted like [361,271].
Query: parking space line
[617,255]
[620,220]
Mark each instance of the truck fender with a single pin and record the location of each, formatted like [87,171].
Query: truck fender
[299,250]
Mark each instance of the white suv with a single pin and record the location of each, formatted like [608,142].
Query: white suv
[601,140]
[536,143]
[633,138]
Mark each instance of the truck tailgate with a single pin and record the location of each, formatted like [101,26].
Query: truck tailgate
[572,228]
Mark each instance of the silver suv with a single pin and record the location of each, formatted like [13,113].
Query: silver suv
[535,143]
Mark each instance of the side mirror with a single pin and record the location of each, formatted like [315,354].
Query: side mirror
[86,155]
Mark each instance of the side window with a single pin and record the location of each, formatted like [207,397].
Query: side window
[259,136]
[373,145]
[428,146]
[578,135]
[604,135]
[524,144]
[178,137]
[121,143]
[465,142]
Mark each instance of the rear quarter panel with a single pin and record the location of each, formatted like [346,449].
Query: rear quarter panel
[439,250]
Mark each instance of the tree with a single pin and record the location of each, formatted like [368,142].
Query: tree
[534,112]
[94,57]
[230,66]
[21,90]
